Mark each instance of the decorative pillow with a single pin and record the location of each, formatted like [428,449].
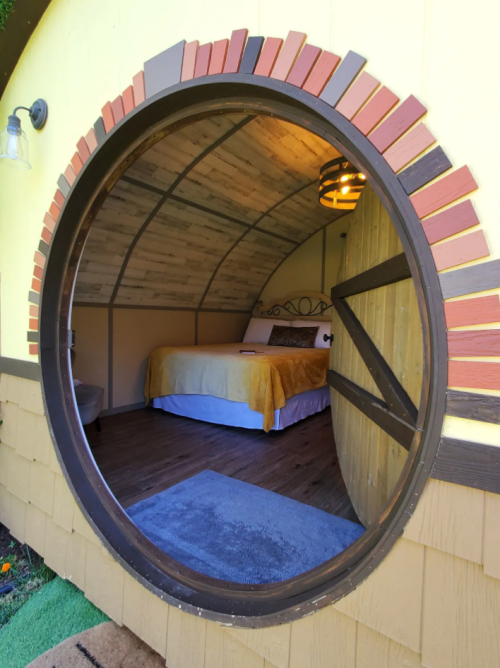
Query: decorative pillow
[324,328]
[293,337]
[259,329]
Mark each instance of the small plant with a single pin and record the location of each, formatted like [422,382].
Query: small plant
[5,8]
[22,571]
[7,565]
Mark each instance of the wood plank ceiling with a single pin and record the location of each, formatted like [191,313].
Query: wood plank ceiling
[205,216]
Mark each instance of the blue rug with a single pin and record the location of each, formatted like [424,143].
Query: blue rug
[239,532]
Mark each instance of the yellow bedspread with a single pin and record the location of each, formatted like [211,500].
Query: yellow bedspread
[264,382]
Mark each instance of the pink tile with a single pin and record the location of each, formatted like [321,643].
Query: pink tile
[189,60]
[288,55]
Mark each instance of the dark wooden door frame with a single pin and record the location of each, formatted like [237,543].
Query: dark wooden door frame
[168,110]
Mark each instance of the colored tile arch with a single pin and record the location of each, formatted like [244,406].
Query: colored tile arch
[392,127]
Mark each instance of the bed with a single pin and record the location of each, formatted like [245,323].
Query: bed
[271,389]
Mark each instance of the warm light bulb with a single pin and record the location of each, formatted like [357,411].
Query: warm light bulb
[345,190]
[362,176]
[344,178]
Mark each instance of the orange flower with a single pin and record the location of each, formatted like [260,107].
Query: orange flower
[6,567]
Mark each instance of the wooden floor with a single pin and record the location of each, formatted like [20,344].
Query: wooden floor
[146,451]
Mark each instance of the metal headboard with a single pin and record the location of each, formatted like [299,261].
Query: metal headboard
[297,305]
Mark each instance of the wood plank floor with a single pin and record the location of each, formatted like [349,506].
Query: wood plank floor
[143,452]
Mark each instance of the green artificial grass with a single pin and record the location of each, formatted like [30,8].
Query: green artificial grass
[5,7]
[58,611]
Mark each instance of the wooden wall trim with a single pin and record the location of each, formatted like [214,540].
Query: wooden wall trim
[470,406]
[393,270]
[467,463]
[20,368]
[391,389]
[467,281]
[374,408]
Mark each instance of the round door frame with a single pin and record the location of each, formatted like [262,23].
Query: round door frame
[164,112]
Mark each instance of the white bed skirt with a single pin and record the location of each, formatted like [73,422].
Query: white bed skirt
[236,414]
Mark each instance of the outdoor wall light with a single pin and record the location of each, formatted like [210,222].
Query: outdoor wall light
[13,143]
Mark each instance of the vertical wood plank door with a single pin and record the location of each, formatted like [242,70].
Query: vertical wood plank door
[370,458]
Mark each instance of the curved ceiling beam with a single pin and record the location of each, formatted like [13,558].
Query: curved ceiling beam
[252,227]
[168,194]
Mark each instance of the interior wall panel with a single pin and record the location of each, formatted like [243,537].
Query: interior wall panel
[221,327]
[136,333]
[91,336]
[312,266]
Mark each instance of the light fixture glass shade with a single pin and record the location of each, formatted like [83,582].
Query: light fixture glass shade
[14,150]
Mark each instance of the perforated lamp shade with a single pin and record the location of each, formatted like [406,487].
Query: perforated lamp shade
[340,184]
[14,150]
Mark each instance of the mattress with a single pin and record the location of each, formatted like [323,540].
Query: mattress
[265,381]
[236,414]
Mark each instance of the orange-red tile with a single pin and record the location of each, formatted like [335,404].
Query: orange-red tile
[83,149]
[479,375]
[288,55]
[107,117]
[321,73]
[33,348]
[38,272]
[117,109]
[46,235]
[59,199]
[443,192]
[376,109]
[218,56]
[33,324]
[357,95]
[189,60]
[128,100]
[268,56]
[139,88]
[477,311]
[54,211]
[76,163]
[36,284]
[34,310]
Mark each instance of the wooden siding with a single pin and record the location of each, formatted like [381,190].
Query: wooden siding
[390,317]
[385,623]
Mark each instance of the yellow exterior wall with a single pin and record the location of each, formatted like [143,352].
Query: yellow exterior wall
[435,599]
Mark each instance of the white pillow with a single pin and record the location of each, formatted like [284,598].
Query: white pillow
[324,328]
[259,329]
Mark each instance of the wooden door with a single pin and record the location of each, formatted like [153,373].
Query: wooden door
[376,358]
